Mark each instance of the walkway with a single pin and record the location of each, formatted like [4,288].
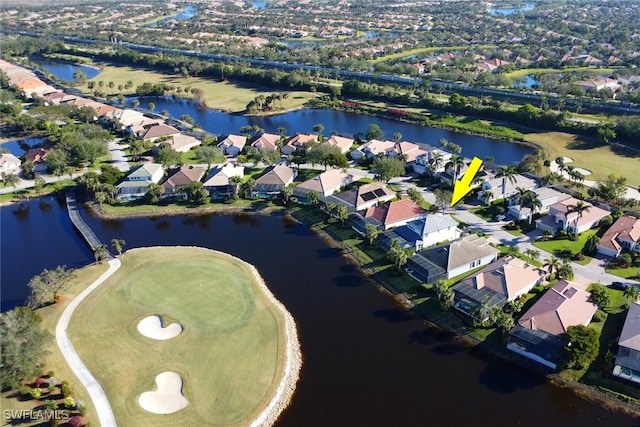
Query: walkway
[74,214]
[98,396]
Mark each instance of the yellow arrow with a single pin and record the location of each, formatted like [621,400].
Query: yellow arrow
[463,185]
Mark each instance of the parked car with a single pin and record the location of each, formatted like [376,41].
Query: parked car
[619,285]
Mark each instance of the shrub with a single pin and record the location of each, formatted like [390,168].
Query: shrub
[35,393]
[50,405]
[51,373]
[52,381]
[607,220]
[40,382]
[66,389]
[25,390]
[69,402]
[51,388]
[562,234]
[599,316]
[82,410]
[578,256]
[537,289]
[76,421]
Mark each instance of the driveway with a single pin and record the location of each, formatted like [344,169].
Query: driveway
[118,156]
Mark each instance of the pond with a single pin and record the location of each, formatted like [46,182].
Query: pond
[188,13]
[65,70]
[504,153]
[509,11]
[259,4]
[367,362]
[18,147]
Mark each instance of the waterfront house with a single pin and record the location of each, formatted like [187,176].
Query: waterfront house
[623,234]
[372,149]
[9,163]
[362,197]
[343,144]
[154,130]
[561,217]
[627,361]
[421,233]
[498,283]
[539,334]
[180,143]
[273,180]
[547,197]
[432,157]
[37,156]
[388,215]
[325,184]
[218,181]
[231,145]
[266,141]
[137,183]
[450,259]
[298,142]
[181,178]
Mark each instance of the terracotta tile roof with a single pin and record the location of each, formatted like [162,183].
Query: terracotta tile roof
[37,155]
[184,176]
[338,141]
[393,212]
[325,183]
[266,141]
[563,207]
[625,228]
[278,174]
[508,276]
[560,307]
[237,141]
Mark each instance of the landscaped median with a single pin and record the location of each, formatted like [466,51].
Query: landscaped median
[235,361]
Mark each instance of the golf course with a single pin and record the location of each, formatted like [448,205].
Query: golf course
[188,336]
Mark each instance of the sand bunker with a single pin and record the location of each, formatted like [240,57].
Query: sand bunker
[583,171]
[151,327]
[168,398]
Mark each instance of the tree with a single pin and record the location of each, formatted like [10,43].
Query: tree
[632,292]
[208,155]
[530,198]
[11,179]
[580,208]
[135,103]
[443,198]
[235,181]
[117,245]
[444,294]
[22,344]
[247,188]
[599,295]
[195,192]
[507,173]
[606,134]
[342,213]
[415,195]
[154,193]
[533,254]
[39,184]
[318,128]
[101,253]
[582,348]
[455,163]
[46,286]
[388,168]
[591,245]
[372,233]
[374,132]
[565,271]
[313,197]
[397,136]
[167,156]
[287,192]
[552,265]
[397,254]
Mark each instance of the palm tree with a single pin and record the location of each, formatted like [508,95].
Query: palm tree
[235,181]
[580,207]
[287,192]
[117,245]
[565,271]
[533,254]
[530,198]
[632,293]
[101,253]
[552,265]
[435,162]
[10,179]
[486,196]
[372,233]
[455,163]
[397,254]
[507,173]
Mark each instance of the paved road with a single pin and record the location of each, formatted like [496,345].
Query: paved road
[118,156]
[98,396]
[29,183]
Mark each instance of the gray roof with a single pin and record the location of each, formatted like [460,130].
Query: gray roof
[433,223]
[630,335]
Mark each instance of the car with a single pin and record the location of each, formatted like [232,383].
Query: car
[619,285]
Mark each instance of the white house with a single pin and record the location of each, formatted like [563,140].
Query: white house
[343,144]
[424,160]
[151,172]
[546,196]
[562,216]
[493,188]
[627,362]
[324,184]
[372,148]
[9,163]
[232,145]
[137,183]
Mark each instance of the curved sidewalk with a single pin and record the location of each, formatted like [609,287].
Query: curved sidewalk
[98,396]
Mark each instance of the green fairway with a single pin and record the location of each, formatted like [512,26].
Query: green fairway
[230,354]
[422,50]
[586,69]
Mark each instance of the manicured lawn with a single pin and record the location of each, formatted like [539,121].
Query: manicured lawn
[224,316]
[627,273]
[54,359]
[563,248]
[28,193]
[601,160]
[224,96]
[140,208]
[425,50]
[527,71]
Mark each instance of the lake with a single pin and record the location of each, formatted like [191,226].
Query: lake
[18,147]
[505,153]
[64,70]
[509,11]
[188,13]
[367,362]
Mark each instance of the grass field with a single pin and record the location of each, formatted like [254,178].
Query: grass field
[601,160]
[527,71]
[563,248]
[230,354]
[54,359]
[421,50]
[224,96]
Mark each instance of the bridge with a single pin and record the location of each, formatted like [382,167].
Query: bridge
[74,214]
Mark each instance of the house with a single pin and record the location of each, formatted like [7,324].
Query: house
[37,156]
[432,157]
[421,233]
[492,189]
[623,234]
[547,197]
[343,144]
[9,163]
[232,145]
[121,118]
[272,181]
[599,84]
[153,131]
[492,65]
[372,149]
[627,361]
[450,259]
[498,283]
[266,141]
[325,184]
[137,183]
[180,142]
[561,217]
[539,332]
[219,183]
[297,142]
[362,197]
[389,215]
[184,176]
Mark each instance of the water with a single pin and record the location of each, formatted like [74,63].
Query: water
[63,70]
[188,13]
[259,4]
[509,11]
[527,81]
[17,147]
[366,362]
[345,123]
